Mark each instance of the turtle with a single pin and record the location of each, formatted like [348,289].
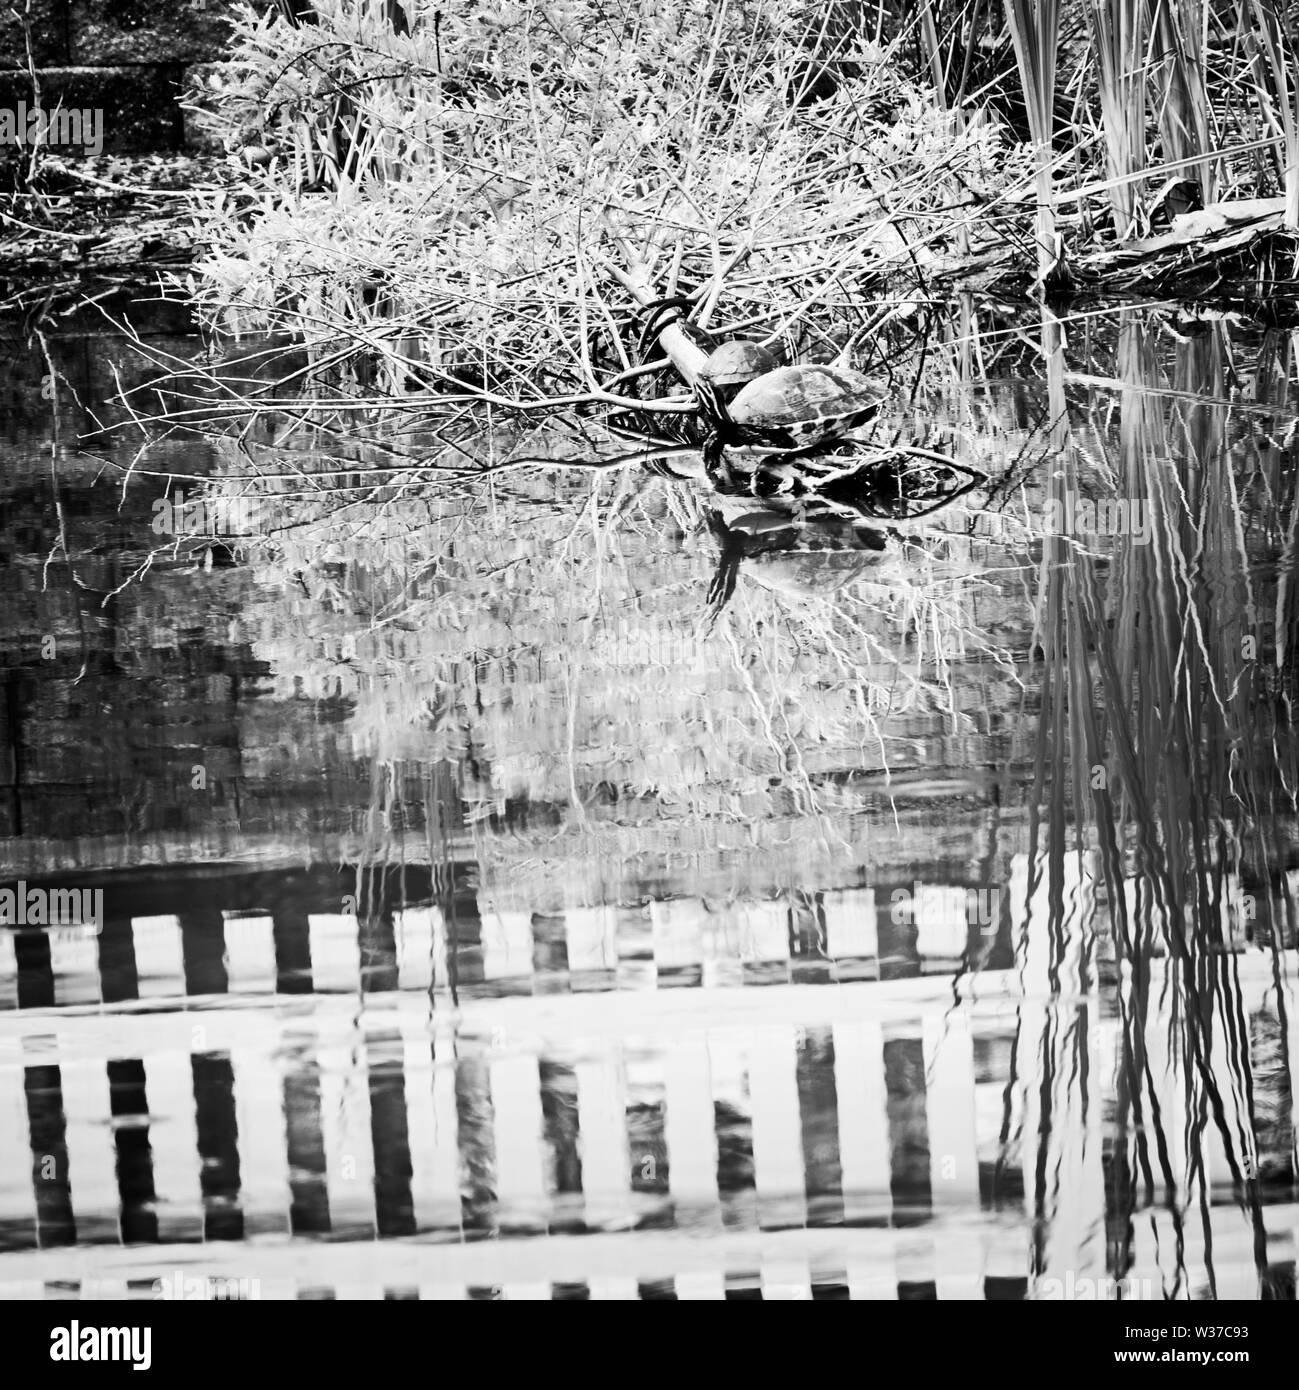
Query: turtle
[788,409]
[1174,199]
[733,365]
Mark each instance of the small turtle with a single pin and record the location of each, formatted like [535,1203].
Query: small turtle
[733,365]
[787,410]
[1174,199]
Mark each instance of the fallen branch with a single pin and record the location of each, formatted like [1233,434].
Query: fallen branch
[1195,241]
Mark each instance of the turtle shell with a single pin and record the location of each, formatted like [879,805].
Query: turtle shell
[802,406]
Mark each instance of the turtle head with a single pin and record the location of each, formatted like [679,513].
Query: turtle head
[712,403]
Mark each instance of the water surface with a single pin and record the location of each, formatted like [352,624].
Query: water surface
[485,915]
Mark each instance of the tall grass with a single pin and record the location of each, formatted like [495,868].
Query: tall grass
[1119,35]
[1180,81]
[1278,94]
[1150,73]
[1179,95]
[1035,29]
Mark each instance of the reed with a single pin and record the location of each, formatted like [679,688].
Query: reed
[1278,95]
[1179,94]
[1035,30]
[1119,38]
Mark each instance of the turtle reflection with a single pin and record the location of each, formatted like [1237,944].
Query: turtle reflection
[803,552]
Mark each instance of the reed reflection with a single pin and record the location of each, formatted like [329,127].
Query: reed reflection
[1164,757]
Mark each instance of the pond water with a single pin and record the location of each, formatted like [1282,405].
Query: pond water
[488,913]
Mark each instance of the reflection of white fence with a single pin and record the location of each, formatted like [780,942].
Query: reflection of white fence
[831,1136]
[654,1107]
[679,940]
